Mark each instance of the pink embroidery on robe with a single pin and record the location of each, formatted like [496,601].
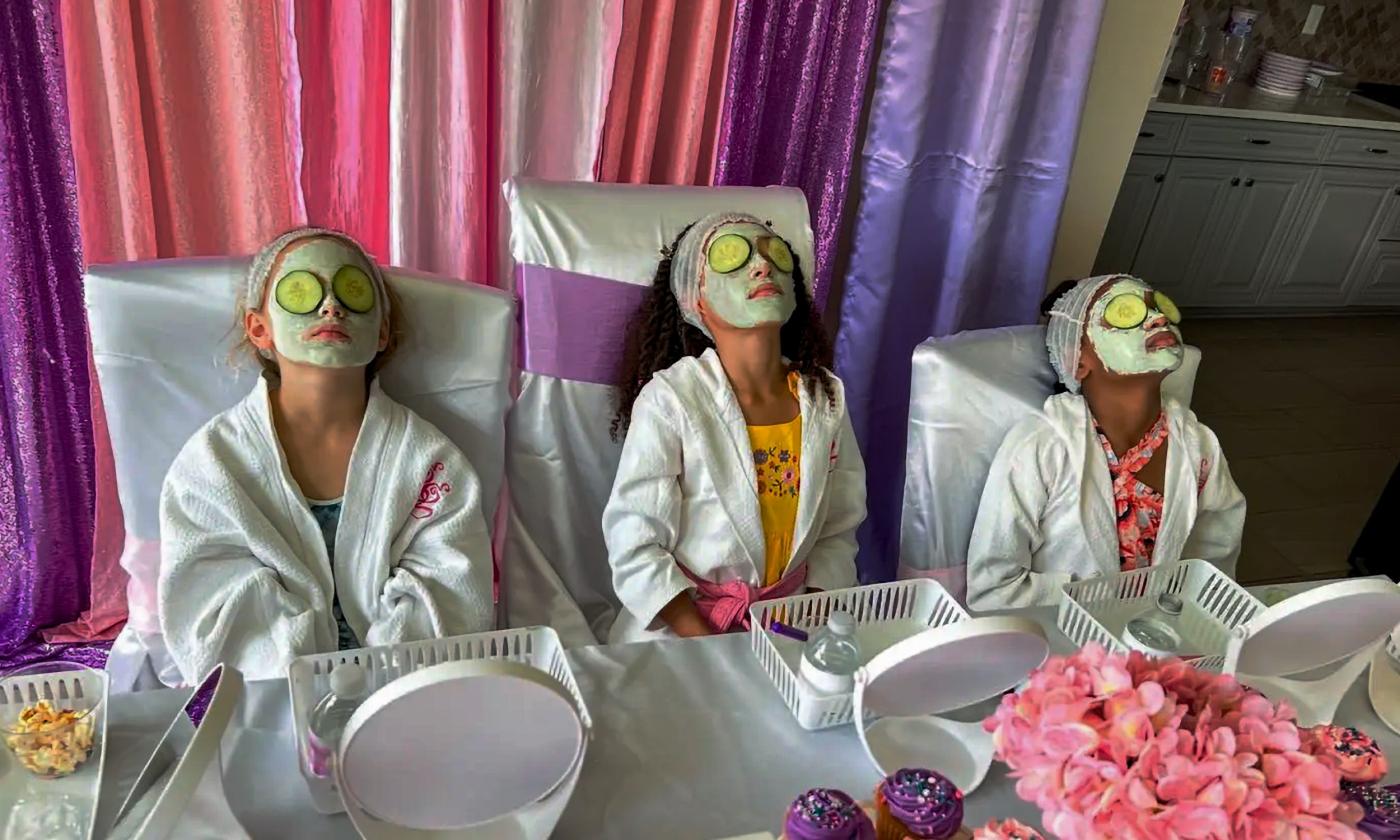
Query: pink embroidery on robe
[430,493]
[831,459]
[1203,477]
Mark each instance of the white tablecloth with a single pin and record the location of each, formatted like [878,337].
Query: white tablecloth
[691,740]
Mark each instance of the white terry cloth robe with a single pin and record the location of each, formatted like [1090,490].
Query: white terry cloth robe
[244,575]
[686,491]
[1047,515]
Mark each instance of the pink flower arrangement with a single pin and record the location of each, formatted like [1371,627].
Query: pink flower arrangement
[1126,747]
[1006,830]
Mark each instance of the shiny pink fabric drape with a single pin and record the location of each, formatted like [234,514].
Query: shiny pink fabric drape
[440,132]
[342,53]
[667,90]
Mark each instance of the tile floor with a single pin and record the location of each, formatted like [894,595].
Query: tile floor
[1308,412]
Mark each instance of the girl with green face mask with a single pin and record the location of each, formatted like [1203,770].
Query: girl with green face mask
[740,477]
[318,514]
[1111,475]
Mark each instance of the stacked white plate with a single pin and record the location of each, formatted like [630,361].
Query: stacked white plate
[1281,75]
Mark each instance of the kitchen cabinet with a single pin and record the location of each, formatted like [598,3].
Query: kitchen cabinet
[1239,215]
[1337,222]
[1216,225]
[1136,198]
[1185,223]
[1378,278]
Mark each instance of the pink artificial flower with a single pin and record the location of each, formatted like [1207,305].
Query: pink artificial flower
[1006,830]
[1126,747]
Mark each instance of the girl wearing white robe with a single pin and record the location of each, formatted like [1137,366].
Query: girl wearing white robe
[686,527]
[250,575]
[1049,514]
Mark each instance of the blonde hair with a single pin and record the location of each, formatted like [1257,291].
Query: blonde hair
[256,279]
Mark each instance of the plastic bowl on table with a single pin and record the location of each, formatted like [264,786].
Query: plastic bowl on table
[50,732]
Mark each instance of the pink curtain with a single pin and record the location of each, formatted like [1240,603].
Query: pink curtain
[440,132]
[667,91]
[207,126]
[342,54]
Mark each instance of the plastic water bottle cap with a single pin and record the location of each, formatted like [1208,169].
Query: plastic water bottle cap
[841,623]
[349,681]
[1169,603]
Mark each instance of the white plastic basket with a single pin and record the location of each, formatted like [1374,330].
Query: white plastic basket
[32,807]
[1097,609]
[308,678]
[885,613]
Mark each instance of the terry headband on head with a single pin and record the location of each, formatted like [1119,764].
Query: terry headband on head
[1064,335]
[688,264]
[262,264]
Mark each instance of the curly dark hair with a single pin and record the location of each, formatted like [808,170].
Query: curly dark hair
[658,337]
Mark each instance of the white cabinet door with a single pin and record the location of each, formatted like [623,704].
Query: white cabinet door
[1334,232]
[1264,205]
[1192,209]
[1378,279]
[1131,213]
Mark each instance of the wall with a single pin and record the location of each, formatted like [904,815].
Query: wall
[1133,40]
[1360,36]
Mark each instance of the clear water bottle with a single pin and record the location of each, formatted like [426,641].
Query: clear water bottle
[1157,632]
[831,657]
[349,687]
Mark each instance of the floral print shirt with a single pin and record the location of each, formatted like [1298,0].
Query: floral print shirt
[1138,507]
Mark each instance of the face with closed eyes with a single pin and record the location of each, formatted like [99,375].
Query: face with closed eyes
[322,307]
[747,277]
[1133,329]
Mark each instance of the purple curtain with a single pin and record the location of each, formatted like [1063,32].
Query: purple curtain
[46,461]
[961,181]
[792,106]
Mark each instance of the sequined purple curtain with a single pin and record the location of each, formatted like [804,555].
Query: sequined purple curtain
[792,106]
[46,489]
[961,180]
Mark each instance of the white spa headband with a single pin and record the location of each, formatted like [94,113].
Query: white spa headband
[1064,335]
[689,260]
[262,264]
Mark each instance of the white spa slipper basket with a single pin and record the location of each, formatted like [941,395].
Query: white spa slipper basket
[885,613]
[1213,605]
[308,678]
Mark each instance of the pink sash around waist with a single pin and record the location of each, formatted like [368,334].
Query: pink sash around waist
[725,606]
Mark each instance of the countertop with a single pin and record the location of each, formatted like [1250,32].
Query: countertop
[1241,100]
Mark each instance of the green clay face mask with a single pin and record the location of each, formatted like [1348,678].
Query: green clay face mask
[1152,346]
[756,290]
[312,302]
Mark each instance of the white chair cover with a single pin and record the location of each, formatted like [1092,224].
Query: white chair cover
[966,393]
[560,460]
[162,338]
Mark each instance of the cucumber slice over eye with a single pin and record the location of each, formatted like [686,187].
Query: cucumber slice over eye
[1167,307]
[1126,311]
[729,253]
[299,292]
[354,288]
[777,252]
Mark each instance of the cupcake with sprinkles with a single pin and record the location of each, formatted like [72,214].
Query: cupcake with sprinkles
[826,814]
[917,804]
[1356,754]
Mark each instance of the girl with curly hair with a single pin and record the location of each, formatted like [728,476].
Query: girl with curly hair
[740,478]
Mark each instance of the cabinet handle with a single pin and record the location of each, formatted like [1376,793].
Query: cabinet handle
[1376,150]
[1235,182]
[1249,182]
[1144,135]
[1258,141]
[1161,176]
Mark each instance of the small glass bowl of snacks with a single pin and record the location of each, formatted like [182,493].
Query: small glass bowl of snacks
[48,716]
